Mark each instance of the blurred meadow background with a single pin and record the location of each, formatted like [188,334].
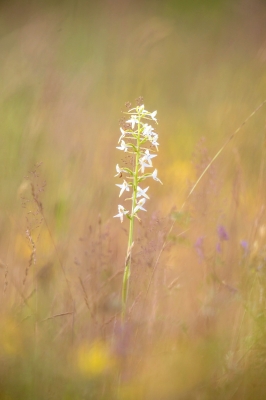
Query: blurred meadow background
[196,322]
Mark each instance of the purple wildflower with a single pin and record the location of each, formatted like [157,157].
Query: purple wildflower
[199,247]
[222,233]
[219,248]
[245,246]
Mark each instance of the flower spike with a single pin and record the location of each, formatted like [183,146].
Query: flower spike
[140,142]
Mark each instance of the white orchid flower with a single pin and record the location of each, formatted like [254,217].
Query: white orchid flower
[133,120]
[155,143]
[153,139]
[123,146]
[147,131]
[153,116]
[123,187]
[121,213]
[154,176]
[143,165]
[142,192]
[119,170]
[148,157]
[123,134]
[141,109]
[139,206]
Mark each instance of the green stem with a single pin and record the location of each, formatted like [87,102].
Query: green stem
[127,271]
